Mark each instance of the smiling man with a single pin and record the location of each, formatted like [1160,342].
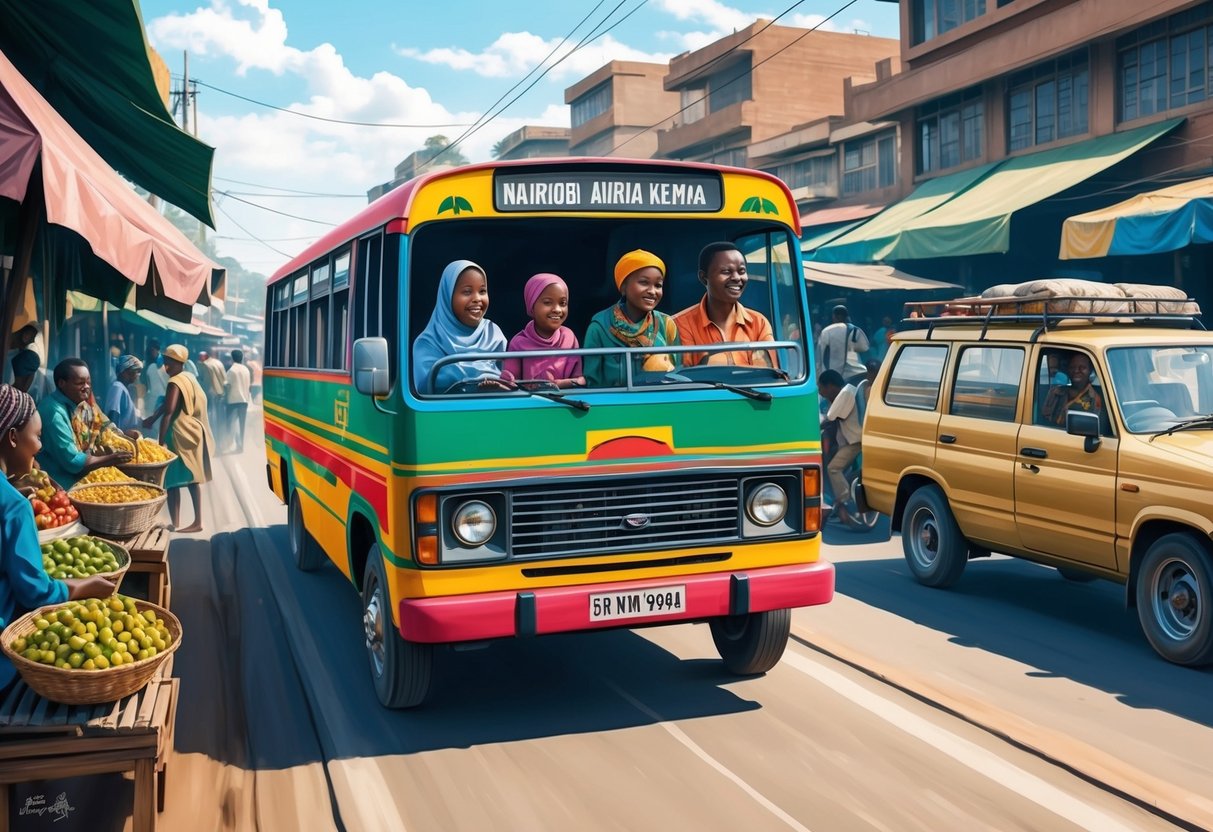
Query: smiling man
[719,316]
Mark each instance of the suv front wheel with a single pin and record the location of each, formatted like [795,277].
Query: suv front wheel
[935,549]
[1175,599]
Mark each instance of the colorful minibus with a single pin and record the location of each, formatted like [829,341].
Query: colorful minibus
[474,513]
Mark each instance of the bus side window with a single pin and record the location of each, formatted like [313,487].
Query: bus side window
[376,293]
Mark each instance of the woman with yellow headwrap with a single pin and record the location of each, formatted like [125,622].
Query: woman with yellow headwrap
[633,322]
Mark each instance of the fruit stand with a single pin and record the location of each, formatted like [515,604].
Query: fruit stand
[114,656]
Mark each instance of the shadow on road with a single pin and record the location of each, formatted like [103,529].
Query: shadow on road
[274,673]
[1030,614]
[835,534]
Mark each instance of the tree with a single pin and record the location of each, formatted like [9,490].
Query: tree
[435,144]
[498,149]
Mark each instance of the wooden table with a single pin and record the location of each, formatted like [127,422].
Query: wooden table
[149,555]
[40,739]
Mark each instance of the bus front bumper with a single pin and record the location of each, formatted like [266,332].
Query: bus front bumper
[568,609]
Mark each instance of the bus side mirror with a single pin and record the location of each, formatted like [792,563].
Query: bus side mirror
[1085,425]
[371,377]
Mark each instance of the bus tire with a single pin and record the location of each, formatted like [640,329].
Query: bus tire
[306,551]
[752,644]
[935,549]
[400,670]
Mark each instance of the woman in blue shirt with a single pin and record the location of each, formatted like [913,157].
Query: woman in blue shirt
[119,403]
[24,584]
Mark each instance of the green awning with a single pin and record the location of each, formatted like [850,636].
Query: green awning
[90,61]
[815,238]
[82,302]
[979,220]
[872,240]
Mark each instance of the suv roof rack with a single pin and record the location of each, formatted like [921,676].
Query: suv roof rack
[1047,311]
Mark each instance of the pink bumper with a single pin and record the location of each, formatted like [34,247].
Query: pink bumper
[567,609]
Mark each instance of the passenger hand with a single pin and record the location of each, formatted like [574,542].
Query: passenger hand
[493,384]
[93,586]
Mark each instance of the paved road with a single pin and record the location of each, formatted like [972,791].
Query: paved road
[279,728]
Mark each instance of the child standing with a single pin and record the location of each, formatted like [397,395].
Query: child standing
[458,325]
[547,302]
[633,322]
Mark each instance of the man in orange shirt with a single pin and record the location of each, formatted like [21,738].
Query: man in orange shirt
[719,317]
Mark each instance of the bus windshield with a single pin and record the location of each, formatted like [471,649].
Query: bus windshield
[583,252]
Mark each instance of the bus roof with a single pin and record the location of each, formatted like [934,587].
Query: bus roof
[395,204]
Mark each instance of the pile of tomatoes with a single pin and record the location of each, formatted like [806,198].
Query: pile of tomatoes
[55,512]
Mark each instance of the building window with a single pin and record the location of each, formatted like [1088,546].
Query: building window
[950,131]
[1166,64]
[735,157]
[729,87]
[591,105]
[934,17]
[869,163]
[693,103]
[1047,102]
[817,172]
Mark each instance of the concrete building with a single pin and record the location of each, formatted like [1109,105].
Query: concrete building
[408,168]
[1046,85]
[534,142]
[758,83]
[621,105]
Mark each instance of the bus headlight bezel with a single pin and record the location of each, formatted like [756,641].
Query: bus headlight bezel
[460,521]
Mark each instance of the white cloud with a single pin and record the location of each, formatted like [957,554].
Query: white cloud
[723,19]
[514,54]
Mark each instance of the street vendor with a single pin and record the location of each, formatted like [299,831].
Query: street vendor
[119,403]
[186,432]
[24,584]
[72,422]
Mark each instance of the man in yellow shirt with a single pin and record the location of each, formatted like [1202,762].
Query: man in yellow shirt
[719,317]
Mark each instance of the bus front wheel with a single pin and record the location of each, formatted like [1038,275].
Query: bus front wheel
[401,670]
[752,644]
[306,551]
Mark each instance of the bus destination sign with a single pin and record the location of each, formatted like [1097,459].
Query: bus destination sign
[588,191]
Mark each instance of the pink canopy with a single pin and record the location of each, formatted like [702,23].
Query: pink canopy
[84,194]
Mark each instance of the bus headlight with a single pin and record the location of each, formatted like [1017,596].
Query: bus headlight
[767,504]
[474,523]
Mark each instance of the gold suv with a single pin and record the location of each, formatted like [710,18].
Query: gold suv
[1078,439]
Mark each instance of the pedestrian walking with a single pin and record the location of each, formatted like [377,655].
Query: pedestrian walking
[185,431]
[253,362]
[239,382]
[213,377]
[840,345]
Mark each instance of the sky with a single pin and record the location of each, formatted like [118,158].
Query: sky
[406,70]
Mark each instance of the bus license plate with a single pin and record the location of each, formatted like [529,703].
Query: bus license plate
[638,603]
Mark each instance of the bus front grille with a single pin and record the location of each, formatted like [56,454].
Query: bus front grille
[584,518]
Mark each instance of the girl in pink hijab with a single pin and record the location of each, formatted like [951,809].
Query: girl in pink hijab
[547,302]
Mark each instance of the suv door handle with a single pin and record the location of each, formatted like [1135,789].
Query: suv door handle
[947,438]
[1035,453]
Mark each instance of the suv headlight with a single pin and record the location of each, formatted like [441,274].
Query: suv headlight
[767,504]
[474,523]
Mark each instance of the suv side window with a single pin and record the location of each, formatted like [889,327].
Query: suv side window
[987,383]
[1066,380]
[916,377]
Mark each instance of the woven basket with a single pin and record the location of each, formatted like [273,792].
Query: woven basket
[86,687]
[120,552]
[118,519]
[152,472]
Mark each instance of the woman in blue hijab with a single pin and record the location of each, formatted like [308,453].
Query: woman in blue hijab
[458,325]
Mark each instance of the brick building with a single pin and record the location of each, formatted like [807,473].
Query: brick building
[621,105]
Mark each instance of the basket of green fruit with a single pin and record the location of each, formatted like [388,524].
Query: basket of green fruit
[82,556]
[93,651]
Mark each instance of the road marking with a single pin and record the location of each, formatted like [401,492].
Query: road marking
[248,505]
[965,752]
[677,733]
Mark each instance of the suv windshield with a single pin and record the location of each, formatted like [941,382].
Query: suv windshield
[584,252]
[1158,387]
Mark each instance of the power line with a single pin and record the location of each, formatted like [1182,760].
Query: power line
[274,210]
[749,71]
[324,118]
[264,239]
[251,234]
[283,190]
[297,195]
[487,115]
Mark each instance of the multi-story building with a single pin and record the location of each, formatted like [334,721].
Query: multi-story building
[534,142]
[618,109]
[758,83]
[408,168]
[1015,114]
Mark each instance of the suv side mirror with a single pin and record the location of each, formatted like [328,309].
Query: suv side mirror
[1086,425]
[371,360]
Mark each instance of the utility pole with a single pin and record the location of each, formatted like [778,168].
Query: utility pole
[187,99]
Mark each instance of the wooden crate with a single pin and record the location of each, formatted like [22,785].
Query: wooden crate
[149,555]
[40,739]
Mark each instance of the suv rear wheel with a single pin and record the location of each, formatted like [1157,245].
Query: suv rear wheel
[1175,599]
[935,549]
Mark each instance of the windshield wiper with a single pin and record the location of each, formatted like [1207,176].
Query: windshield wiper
[1205,420]
[749,393]
[562,398]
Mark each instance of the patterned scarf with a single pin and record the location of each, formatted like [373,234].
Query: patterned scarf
[16,408]
[653,330]
[87,423]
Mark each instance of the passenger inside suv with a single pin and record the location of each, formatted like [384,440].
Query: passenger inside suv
[1080,392]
